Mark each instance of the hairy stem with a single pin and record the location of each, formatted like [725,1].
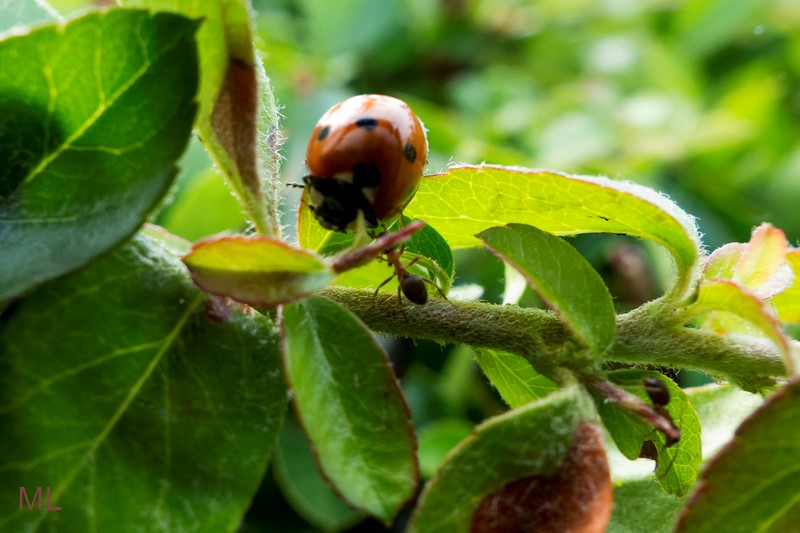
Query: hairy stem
[649,335]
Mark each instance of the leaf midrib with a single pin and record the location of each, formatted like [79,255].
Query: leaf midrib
[105,104]
[115,418]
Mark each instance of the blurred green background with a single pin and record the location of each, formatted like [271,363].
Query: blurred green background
[699,99]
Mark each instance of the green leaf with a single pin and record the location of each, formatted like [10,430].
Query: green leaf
[256,270]
[466,200]
[516,380]
[350,406]
[787,303]
[523,442]
[639,501]
[432,252]
[230,120]
[204,207]
[752,484]
[311,235]
[731,297]
[679,464]
[137,405]
[86,157]
[641,505]
[437,439]
[562,277]
[304,487]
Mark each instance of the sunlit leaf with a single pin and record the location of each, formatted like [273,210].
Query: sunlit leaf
[760,265]
[256,270]
[561,275]
[85,157]
[787,303]
[350,406]
[136,406]
[466,200]
[752,484]
[722,261]
[310,233]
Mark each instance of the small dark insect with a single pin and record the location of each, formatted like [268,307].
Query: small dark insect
[412,286]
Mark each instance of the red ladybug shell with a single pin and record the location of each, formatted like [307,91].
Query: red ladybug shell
[365,154]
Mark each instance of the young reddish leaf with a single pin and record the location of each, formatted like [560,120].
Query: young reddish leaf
[466,200]
[520,443]
[677,465]
[722,261]
[516,380]
[256,270]
[94,113]
[731,297]
[350,406]
[787,303]
[752,484]
[560,274]
[760,265]
[576,498]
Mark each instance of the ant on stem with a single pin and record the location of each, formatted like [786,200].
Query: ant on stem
[410,285]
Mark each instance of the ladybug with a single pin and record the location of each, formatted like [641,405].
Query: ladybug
[365,155]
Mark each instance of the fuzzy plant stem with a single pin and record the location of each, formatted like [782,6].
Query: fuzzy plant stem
[648,335]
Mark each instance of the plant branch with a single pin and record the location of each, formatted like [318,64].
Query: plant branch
[648,335]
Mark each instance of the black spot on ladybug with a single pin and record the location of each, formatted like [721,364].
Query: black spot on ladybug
[367,123]
[323,133]
[410,152]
